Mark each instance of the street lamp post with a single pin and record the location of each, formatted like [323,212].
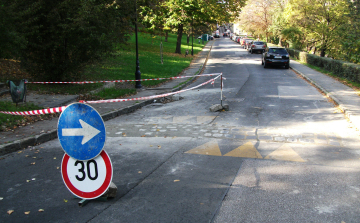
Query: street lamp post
[137,72]
[192,36]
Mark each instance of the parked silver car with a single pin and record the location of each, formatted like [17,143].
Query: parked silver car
[257,46]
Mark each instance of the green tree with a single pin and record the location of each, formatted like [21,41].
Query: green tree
[319,20]
[11,41]
[350,34]
[62,36]
[180,15]
[256,17]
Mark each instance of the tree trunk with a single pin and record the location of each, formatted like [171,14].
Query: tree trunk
[166,36]
[179,37]
[280,43]
[188,39]
[322,53]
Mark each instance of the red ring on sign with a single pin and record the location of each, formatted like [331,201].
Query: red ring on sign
[88,195]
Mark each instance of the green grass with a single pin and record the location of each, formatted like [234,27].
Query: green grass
[121,65]
[110,93]
[9,121]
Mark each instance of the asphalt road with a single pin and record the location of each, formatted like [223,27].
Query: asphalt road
[283,153]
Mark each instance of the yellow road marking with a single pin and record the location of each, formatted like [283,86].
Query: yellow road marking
[182,119]
[285,153]
[202,119]
[247,150]
[211,149]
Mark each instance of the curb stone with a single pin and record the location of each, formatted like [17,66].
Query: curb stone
[50,135]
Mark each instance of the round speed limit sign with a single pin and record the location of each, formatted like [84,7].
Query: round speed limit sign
[87,179]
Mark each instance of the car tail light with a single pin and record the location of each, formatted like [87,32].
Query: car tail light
[253,46]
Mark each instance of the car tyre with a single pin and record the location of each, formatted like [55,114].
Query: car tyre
[265,65]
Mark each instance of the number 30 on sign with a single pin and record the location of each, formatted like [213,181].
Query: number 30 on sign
[87,179]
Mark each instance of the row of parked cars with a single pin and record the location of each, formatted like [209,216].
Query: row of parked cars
[272,55]
[251,45]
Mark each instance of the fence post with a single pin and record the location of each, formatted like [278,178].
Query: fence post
[221,86]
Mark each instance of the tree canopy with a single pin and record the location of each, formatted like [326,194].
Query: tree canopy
[327,27]
[183,14]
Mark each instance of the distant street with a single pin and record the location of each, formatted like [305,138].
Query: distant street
[283,153]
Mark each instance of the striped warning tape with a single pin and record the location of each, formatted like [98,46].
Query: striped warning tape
[118,81]
[60,109]
[150,97]
[36,112]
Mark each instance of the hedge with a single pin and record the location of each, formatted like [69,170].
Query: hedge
[339,68]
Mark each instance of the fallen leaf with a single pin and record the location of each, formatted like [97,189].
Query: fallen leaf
[1,198]
[32,163]
[26,155]
[151,145]
[54,158]
[27,212]
[20,151]
[176,180]
[139,172]
[174,137]
[28,181]
[34,157]
[41,210]
[159,147]
[57,167]
[10,211]
[33,179]
[65,200]
[143,136]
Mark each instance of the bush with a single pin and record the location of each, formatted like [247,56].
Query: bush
[339,68]
[315,60]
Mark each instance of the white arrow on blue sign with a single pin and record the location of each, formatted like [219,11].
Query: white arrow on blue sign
[81,131]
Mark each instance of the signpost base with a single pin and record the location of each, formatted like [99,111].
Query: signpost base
[84,202]
[110,193]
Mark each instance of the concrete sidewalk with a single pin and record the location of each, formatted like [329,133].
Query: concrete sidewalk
[43,131]
[344,96]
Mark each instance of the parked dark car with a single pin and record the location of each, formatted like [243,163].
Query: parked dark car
[275,56]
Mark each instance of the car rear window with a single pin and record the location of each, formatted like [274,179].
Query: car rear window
[259,43]
[280,51]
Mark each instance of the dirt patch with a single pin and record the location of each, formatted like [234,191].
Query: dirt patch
[11,70]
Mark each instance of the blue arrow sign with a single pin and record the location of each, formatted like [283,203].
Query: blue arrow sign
[81,131]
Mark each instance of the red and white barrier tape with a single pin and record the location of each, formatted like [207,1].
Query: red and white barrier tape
[117,81]
[150,97]
[36,112]
[60,109]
